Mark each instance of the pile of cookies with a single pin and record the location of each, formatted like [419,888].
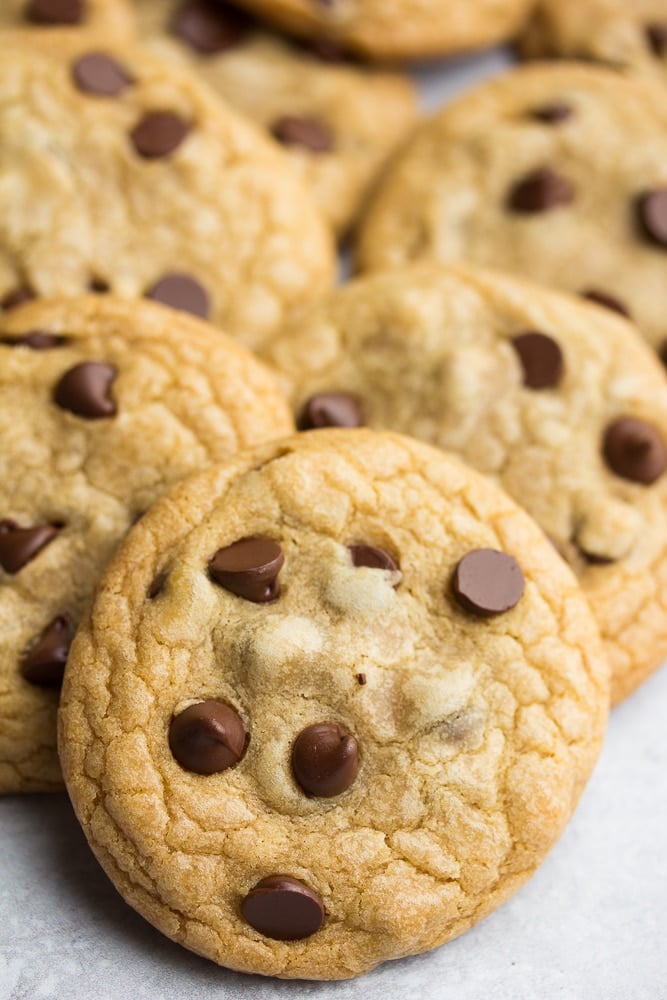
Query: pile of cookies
[326,592]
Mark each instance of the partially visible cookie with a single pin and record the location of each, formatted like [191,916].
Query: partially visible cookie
[103,403]
[105,15]
[334,702]
[338,122]
[556,172]
[561,402]
[122,173]
[403,29]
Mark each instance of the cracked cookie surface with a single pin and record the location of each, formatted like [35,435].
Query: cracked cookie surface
[103,404]
[556,173]
[122,173]
[338,123]
[334,702]
[105,15]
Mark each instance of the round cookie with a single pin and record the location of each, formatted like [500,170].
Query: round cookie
[629,36]
[103,15]
[558,173]
[548,395]
[410,29]
[103,404]
[339,123]
[349,719]
[120,172]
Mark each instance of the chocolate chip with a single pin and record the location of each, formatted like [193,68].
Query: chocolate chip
[157,586]
[361,679]
[18,546]
[99,74]
[283,908]
[55,11]
[249,568]
[324,49]
[635,450]
[99,285]
[331,409]
[541,360]
[44,663]
[36,340]
[17,297]
[307,133]
[553,114]
[652,212]
[158,134]
[656,35]
[662,352]
[368,555]
[180,291]
[325,759]
[487,582]
[208,27]
[85,390]
[540,191]
[607,301]
[207,738]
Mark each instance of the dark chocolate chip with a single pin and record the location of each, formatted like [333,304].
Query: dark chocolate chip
[283,908]
[18,546]
[180,291]
[662,352]
[17,297]
[488,582]
[207,738]
[99,74]
[158,134]
[369,555]
[36,340]
[325,759]
[157,586]
[55,11]
[44,663]
[249,568]
[99,285]
[635,450]
[540,191]
[541,360]
[553,114]
[361,679]
[331,409]
[307,133]
[652,211]
[656,36]
[208,27]
[85,390]
[607,301]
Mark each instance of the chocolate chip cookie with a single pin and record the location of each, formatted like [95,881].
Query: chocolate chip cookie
[105,15]
[122,173]
[338,122]
[561,402]
[555,172]
[405,30]
[103,403]
[334,702]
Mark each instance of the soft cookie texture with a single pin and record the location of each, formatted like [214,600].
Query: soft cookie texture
[105,15]
[561,402]
[103,404]
[556,172]
[338,122]
[120,172]
[334,702]
[407,29]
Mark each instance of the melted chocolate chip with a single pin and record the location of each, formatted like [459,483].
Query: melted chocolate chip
[652,213]
[307,133]
[487,582]
[540,191]
[97,73]
[85,390]
[283,908]
[541,360]
[656,36]
[553,114]
[55,11]
[607,301]
[331,409]
[18,546]
[180,291]
[158,134]
[369,555]
[635,450]
[249,568]
[208,27]
[325,759]
[44,663]
[17,297]
[36,340]
[361,679]
[157,586]
[98,285]
[207,738]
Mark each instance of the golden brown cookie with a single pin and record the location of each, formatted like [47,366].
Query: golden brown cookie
[119,172]
[560,402]
[103,15]
[334,702]
[103,403]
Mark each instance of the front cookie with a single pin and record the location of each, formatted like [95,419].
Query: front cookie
[103,404]
[334,702]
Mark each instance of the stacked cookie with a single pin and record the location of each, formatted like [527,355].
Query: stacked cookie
[330,695]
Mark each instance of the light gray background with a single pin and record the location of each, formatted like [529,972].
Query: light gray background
[591,925]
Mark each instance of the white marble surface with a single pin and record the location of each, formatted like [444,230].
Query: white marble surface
[589,926]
